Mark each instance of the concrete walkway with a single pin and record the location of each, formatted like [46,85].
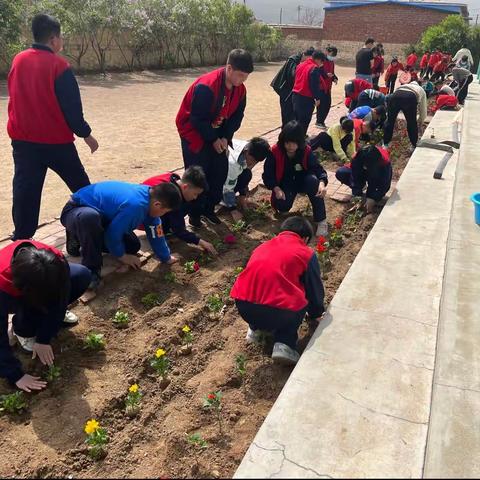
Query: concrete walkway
[359,402]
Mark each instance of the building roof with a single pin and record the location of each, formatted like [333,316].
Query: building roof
[460,8]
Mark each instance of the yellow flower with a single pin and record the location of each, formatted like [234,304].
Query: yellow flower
[160,353]
[186,329]
[133,388]
[91,427]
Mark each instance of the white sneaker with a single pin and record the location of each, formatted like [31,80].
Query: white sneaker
[322,229]
[26,342]
[284,355]
[253,336]
[70,318]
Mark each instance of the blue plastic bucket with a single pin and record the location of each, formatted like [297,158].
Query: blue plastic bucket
[475,198]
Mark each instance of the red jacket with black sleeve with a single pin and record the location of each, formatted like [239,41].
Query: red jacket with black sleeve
[327,82]
[424,60]
[10,367]
[309,80]
[434,58]
[282,273]
[210,111]
[45,105]
[412,60]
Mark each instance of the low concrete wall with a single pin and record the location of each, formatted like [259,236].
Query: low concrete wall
[359,402]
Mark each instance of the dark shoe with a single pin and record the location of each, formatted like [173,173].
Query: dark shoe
[95,281]
[212,218]
[321,125]
[72,244]
[194,221]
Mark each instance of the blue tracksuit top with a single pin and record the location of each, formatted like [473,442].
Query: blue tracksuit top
[123,207]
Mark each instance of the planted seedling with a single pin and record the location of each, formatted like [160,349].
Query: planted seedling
[237,271]
[13,403]
[187,335]
[196,440]
[95,341]
[170,277]
[213,401]
[97,439]
[52,373]
[191,267]
[215,303]
[151,300]
[161,364]
[322,250]
[121,319]
[239,226]
[132,402]
[240,364]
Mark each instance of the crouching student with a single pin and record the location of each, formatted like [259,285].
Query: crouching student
[242,158]
[280,284]
[376,115]
[353,89]
[191,185]
[36,285]
[292,168]
[103,216]
[371,98]
[446,99]
[371,167]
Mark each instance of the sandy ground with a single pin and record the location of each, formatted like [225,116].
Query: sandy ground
[133,118]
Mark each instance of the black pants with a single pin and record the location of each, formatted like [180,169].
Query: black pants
[286,107]
[324,108]
[303,108]
[283,323]
[407,103]
[89,227]
[324,141]
[376,191]
[304,184]
[26,319]
[462,91]
[438,76]
[428,72]
[215,166]
[391,83]
[375,81]
[32,160]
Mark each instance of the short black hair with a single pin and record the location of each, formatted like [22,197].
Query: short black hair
[371,157]
[346,124]
[167,194]
[258,148]
[309,51]
[332,50]
[381,110]
[45,27]
[292,132]
[240,60]
[318,55]
[369,40]
[195,176]
[298,225]
[41,276]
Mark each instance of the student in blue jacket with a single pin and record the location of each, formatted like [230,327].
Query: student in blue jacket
[103,216]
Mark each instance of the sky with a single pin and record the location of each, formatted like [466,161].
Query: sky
[269,10]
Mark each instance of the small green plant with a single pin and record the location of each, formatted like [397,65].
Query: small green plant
[187,337]
[239,226]
[203,260]
[132,402]
[151,300]
[13,403]
[191,267]
[215,303]
[336,239]
[196,440]
[96,440]
[95,341]
[240,363]
[237,271]
[160,362]
[52,373]
[170,277]
[213,401]
[121,319]
[354,217]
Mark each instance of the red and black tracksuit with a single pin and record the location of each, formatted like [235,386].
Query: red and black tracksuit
[377,69]
[424,64]
[309,86]
[44,112]
[280,283]
[174,221]
[391,76]
[353,88]
[210,111]
[356,176]
[411,61]
[301,174]
[29,321]
[326,82]
[439,70]
[435,57]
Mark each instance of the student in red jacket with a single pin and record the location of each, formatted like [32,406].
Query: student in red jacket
[292,168]
[424,63]
[191,185]
[280,284]
[329,68]
[36,285]
[211,112]
[44,113]
[378,65]
[310,88]
[353,88]
[439,70]
[435,57]
[411,61]
[392,73]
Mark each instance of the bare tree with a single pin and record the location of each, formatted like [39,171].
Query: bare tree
[311,16]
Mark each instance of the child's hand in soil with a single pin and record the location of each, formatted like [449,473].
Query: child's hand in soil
[44,353]
[131,260]
[28,383]
[172,260]
[207,247]
[279,193]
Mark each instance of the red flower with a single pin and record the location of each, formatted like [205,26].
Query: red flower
[230,239]
[321,248]
[338,223]
[212,396]
[322,240]
[196,267]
